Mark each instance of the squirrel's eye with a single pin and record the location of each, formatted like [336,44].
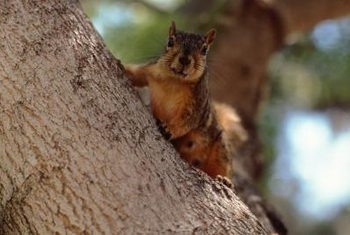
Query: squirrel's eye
[170,42]
[204,50]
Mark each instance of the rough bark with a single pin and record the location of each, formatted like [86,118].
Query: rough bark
[79,154]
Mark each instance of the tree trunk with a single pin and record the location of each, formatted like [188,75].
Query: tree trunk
[250,32]
[79,154]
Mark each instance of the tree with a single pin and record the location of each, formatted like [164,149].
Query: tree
[251,32]
[79,153]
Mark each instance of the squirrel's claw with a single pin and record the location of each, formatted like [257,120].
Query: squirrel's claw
[224,180]
[163,129]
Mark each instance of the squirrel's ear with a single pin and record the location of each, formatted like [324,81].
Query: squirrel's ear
[210,36]
[172,29]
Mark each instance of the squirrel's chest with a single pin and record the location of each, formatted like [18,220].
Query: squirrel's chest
[169,99]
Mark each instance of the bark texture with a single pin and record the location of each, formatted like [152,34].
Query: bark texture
[79,154]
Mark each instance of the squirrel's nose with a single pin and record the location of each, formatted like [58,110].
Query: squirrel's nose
[184,60]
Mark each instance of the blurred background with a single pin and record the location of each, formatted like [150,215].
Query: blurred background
[305,119]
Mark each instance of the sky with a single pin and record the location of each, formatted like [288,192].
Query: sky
[318,159]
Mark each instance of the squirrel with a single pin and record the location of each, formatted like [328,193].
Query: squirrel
[205,133]
[199,129]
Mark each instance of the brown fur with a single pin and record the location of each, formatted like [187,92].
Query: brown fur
[212,147]
[180,100]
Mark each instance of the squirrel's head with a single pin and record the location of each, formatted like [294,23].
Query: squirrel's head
[185,53]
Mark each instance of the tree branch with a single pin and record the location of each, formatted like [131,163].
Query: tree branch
[300,15]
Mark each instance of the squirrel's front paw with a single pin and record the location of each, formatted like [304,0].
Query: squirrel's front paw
[163,129]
